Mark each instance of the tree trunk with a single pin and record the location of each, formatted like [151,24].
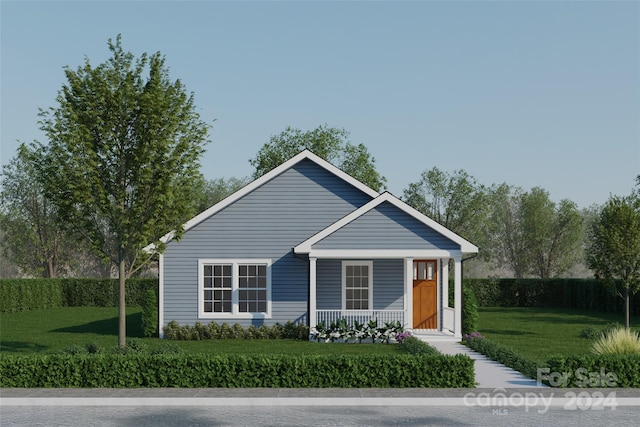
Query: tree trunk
[122,306]
[51,269]
[626,307]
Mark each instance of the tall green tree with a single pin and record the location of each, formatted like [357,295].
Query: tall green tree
[122,160]
[217,189]
[552,233]
[614,249]
[32,238]
[533,235]
[332,144]
[507,243]
[456,201]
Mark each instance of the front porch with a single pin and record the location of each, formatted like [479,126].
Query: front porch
[386,261]
[388,290]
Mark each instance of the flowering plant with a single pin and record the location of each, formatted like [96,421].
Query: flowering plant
[472,336]
[403,335]
[341,330]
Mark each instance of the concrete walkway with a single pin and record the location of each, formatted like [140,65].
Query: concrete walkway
[489,374]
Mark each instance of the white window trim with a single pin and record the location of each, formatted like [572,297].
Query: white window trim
[235,313]
[344,282]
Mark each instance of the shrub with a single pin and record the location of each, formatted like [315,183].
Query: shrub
[618,341]
[150,314]
[74,349]
[415,346]
[212,330]
[134,346]
[585,294]
[93,348]
[204,370]
[468,338]
[590,333]
[503,354]
[343,331]
[469,311]
[403,335]
[166,348]
[31,294]
[595,371]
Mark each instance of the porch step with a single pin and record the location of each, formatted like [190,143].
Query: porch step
[434,335]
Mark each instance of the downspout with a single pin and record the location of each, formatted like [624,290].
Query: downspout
[462,286]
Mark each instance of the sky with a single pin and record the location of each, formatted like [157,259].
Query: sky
[534,94]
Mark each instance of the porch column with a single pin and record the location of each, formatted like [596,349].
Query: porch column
[408,293]
[457,287]
[313,320]
[445,281]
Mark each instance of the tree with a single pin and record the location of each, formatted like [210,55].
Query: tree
[552,234]
[329,143]
[614,248]
[122,160]
[217,189]
[31,236]
[533,235]
[456,201]
[508,245]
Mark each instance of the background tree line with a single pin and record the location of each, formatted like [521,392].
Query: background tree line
[520,233]
[121,167]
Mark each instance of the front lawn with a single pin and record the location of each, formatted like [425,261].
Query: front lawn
[540,333]
[53,330]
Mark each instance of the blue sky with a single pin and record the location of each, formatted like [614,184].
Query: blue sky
[528,93]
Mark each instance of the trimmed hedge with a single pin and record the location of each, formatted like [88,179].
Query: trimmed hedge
[503,354]
[595,371]
[23,295]
[469,311]
[415,346]
[215,331]
[202,370]
[30,294]
[150,314]
[586,294]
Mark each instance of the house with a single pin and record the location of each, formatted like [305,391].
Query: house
[308,243]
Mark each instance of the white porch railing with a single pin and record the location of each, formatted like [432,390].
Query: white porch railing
[448,314]
[361,316]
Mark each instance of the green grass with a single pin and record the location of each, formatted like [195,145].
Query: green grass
[541,333]
[52,330]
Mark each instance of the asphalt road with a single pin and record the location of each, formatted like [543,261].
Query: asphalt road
[311,416]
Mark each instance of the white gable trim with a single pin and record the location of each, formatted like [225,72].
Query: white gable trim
[306,247]
[306,154]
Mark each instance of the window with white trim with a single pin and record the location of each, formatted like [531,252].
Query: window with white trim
[234,288]
[357,285]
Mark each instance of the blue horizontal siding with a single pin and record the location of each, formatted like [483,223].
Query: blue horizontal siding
[386,227]
[266,223]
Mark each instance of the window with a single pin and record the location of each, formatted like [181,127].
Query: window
[234,288]
[357,280]
[424,270]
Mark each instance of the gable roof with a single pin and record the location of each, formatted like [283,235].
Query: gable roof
[303,155]
[305,247]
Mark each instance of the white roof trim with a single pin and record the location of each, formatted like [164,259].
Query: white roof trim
[348,254]
[305,154]
[305,247]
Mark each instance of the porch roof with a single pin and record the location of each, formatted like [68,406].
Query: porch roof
[385,227]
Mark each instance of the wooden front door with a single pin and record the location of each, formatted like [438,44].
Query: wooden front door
[425,294]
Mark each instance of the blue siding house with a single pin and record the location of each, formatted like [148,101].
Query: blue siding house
[308,243]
